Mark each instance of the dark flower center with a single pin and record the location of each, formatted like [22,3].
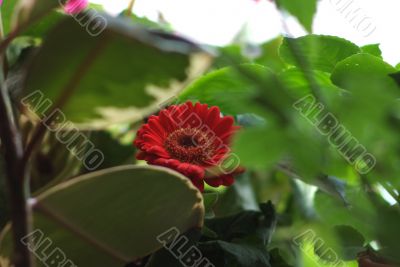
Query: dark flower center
[189,145]
[187,141]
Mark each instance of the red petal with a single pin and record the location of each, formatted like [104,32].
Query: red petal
[156,127]
[228,180]
[224,125]
[151,138]
[199,183]
[213,117]
[141,155]
[214,182]
[159,151]
[166,121]
[169,163]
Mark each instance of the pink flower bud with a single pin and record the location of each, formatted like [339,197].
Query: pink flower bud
[75,6]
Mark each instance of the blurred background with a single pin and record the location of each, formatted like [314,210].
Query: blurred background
[256,21]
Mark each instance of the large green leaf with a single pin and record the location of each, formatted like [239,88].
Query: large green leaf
[113,73]
[320,52]
[112,217]
[303,10]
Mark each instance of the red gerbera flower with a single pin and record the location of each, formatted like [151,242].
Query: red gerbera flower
[193,140]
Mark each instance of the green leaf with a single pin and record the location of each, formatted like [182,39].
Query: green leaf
[320,52]
[242,238]
[17,47]
[256,86]
[226,254]
[210,200]
[354,214]
[113,216]
[45,24]
[36,17]
[266,54]
[55,162]
[350,240]
[116,75]
[7,11]
[298,86]
[385,226]
[372,49]
[166,257]
[377,92]
[303,10]
[277,260]
[261,224]
[269,142]
[270,55]
[237,198]
[218,87]
[355,68]
[115,152]
[230,55]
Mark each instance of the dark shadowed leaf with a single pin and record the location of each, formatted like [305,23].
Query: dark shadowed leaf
[85,77]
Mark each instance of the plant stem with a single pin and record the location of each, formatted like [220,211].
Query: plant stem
[130,7]
[18,192]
